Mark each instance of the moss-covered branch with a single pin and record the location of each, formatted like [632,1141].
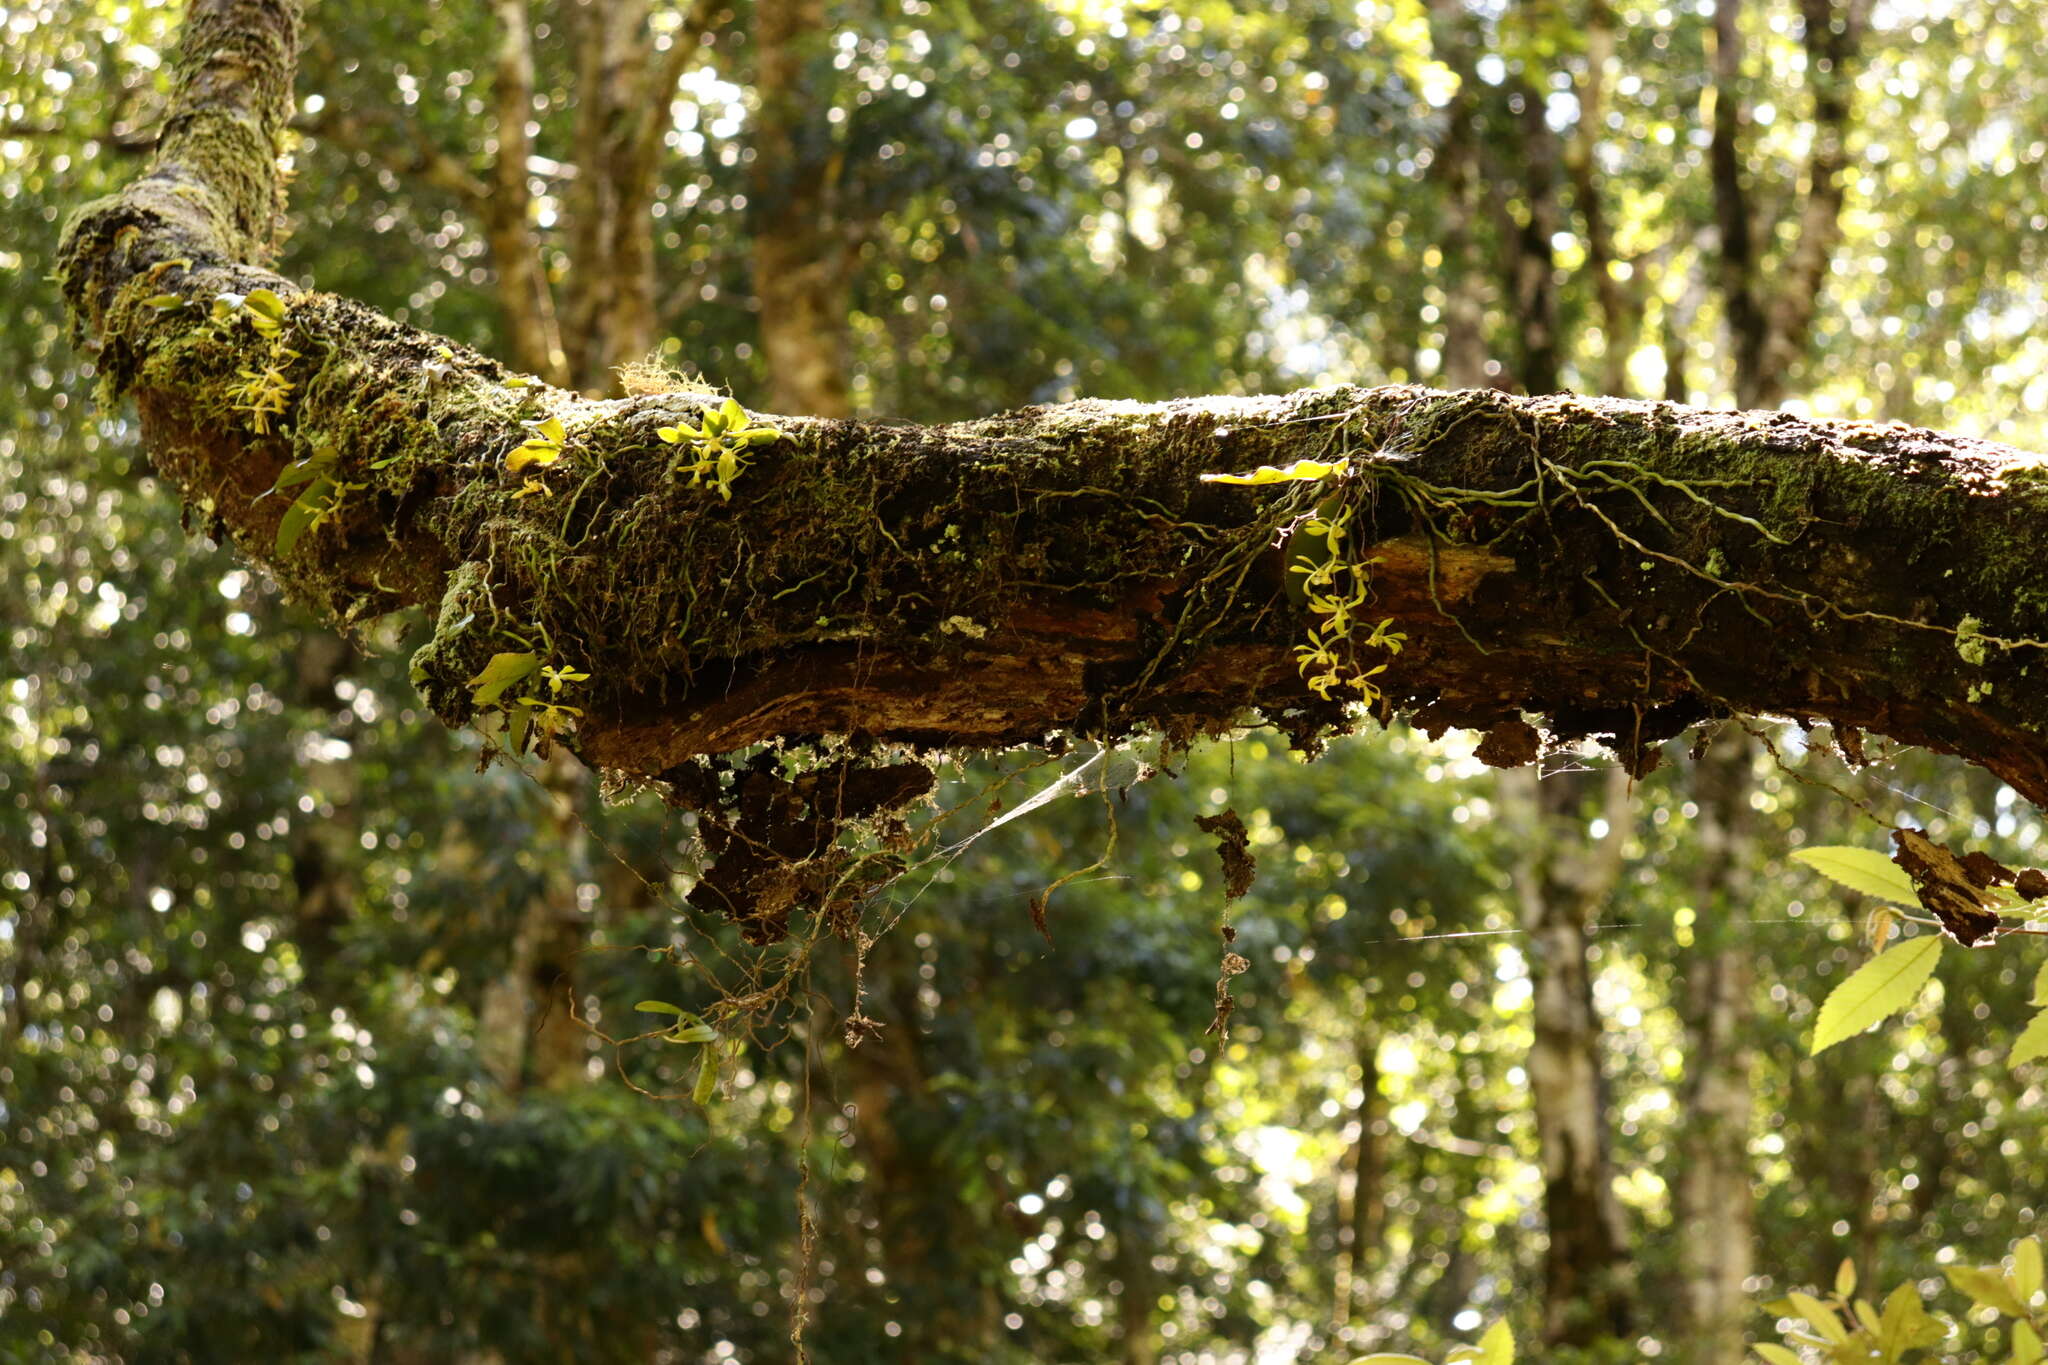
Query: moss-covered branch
[1620,569]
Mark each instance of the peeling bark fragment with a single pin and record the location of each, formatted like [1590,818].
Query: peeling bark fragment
[1951,888]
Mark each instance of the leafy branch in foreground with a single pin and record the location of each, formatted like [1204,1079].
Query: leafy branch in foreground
[1973,899]
[1842,1328]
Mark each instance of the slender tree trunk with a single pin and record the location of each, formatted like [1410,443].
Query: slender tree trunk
[1713,1208]
[525,1034]
[1771,339]
[1457,166]
[1563,879]
[1618,316]
[801,265]
[1361,1193]
[525,302]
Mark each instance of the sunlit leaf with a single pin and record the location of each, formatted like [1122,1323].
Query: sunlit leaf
[1819,1316]
[1877,990]
[1301,471]
[499,674]
[2032,1044]
[1985,1285]
[1861,869]
[1778,1355]
[2026,1267]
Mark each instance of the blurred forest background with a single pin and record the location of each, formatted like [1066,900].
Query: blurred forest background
[286,1067]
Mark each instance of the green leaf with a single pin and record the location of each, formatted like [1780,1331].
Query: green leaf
[300,471]
[2026,1267]
[707,1077]
[1877,990]
[1819,1316]
[299,517]
[2032,1044]
[660,1007]
[1845,1277]
[1497,1347]
[551,430]
[2041,986]
[2026,1345]
[1389,1358]
[1301,471]
[264,304]
[1986,1286]
[1778,1355]
[166,303]
[500,673]
[1861,869]
[542,453]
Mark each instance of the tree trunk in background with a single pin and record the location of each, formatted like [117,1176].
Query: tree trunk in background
[1713,1208]
[1619,320]
[1563,879]
[525,1035]
[1770,339]
[1533,264]
[928,1248]
[801,261]
[1361,1209]
[525,303]
[1457,164]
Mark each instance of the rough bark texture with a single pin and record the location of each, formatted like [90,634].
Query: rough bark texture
[1563,880]
[1621,569]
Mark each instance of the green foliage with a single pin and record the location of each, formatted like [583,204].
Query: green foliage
[1880,988]
[718,448]
[1845,1329]
[1497,1347]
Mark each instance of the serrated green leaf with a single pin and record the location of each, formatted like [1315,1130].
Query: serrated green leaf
[1778,1355]
[265,304]
[1985,1285]
[1301,471]
[707,1077]
[1861,869]
[2032,1044]
[1906,1324]
[1819,1316]
[499,674]
[1877,990]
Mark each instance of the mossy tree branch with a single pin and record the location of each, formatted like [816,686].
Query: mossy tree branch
[1618,569]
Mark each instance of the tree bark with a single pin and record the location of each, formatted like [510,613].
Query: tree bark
[800,255]
[1771,339]
[1621,569]
[1563,881]
[1713,1206]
